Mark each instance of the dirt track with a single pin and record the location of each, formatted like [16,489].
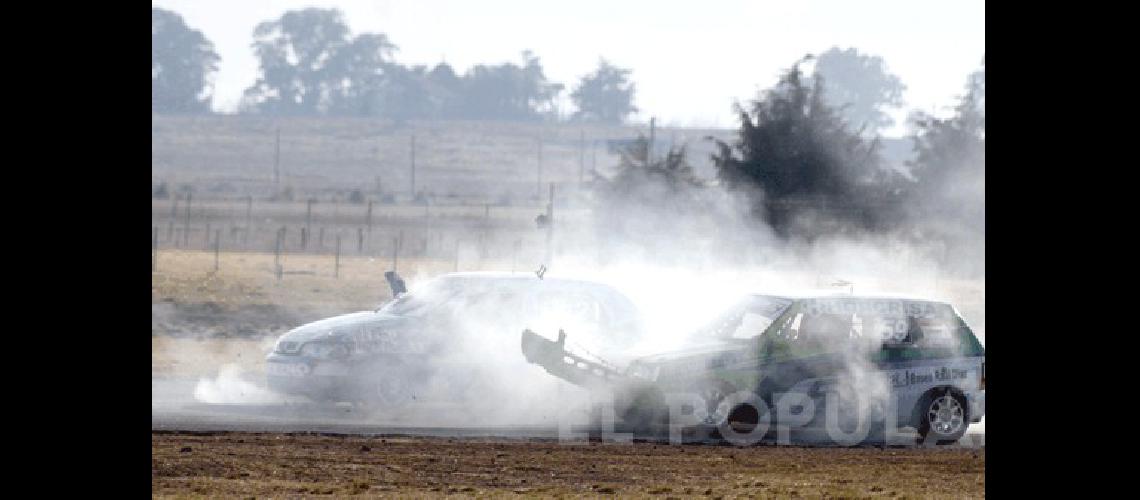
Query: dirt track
[263,464]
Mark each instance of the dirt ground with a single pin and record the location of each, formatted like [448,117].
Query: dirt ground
[261,464]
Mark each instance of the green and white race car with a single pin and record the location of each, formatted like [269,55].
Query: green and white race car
[780,360]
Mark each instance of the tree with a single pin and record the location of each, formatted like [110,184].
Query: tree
[509,91]
[358,71]
[181,62]
[604,96]
[408,93]
[950,153]
[814,174]
[949,200]
[863,84]
[647,201]
[310,65]
[636,168]
[447,87]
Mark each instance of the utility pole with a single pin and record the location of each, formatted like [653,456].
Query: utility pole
[581,156]
[594,155]
[413,166]
[277,163]
[649,147]
[538,191]
[550,228]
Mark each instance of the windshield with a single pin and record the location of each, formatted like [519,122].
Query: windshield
[747,319]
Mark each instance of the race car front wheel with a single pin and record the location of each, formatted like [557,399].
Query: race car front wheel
[943,418]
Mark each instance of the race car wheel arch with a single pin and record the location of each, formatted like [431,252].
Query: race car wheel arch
[941,413]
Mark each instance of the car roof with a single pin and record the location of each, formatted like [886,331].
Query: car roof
[516,277]
[833,294]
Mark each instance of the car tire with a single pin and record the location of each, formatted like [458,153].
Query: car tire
[742,418]
[383,390]
[641,409]
[943,416]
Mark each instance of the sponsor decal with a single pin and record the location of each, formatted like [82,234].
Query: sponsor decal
[944,374]
[288,369]
[379,340]
[875,307]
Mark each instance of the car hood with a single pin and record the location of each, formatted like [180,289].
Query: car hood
[344,325]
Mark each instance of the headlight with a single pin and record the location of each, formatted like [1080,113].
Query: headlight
[325,350]
[286,347]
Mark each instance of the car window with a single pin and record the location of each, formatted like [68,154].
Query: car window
[751,325]
[747,319]
[867,325]
[808,333]
[570,307]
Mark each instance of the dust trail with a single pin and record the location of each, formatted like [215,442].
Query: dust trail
[231,386]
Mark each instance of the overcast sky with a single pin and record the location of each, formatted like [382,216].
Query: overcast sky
[690,60]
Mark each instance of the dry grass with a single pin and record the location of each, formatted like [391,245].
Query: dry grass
[233,464]
[189,358]
[246,280]
[310,281]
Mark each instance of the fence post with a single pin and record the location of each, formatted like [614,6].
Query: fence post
[368,217]
[207,238]
[217,247]
[321,238]
[186,226]
[308,224]
[277,253]
[173,217]
[336,262]
[248,218]
[396,244]
[154,251]
[359,240]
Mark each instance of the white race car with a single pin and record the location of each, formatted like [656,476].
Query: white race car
[453,328]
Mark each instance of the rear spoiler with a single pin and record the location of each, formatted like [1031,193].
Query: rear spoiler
[556,360]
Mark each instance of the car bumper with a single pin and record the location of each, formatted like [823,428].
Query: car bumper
[295,375]
[977,405]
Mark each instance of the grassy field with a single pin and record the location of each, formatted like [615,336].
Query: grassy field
[243,299]
[308,282]
[244,464]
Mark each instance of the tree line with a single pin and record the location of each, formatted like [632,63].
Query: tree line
[809,168]
[807,154]
[310,64]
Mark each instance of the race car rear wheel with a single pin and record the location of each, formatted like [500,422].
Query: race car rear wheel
[943,417]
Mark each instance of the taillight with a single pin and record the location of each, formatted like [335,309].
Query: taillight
[983,387]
